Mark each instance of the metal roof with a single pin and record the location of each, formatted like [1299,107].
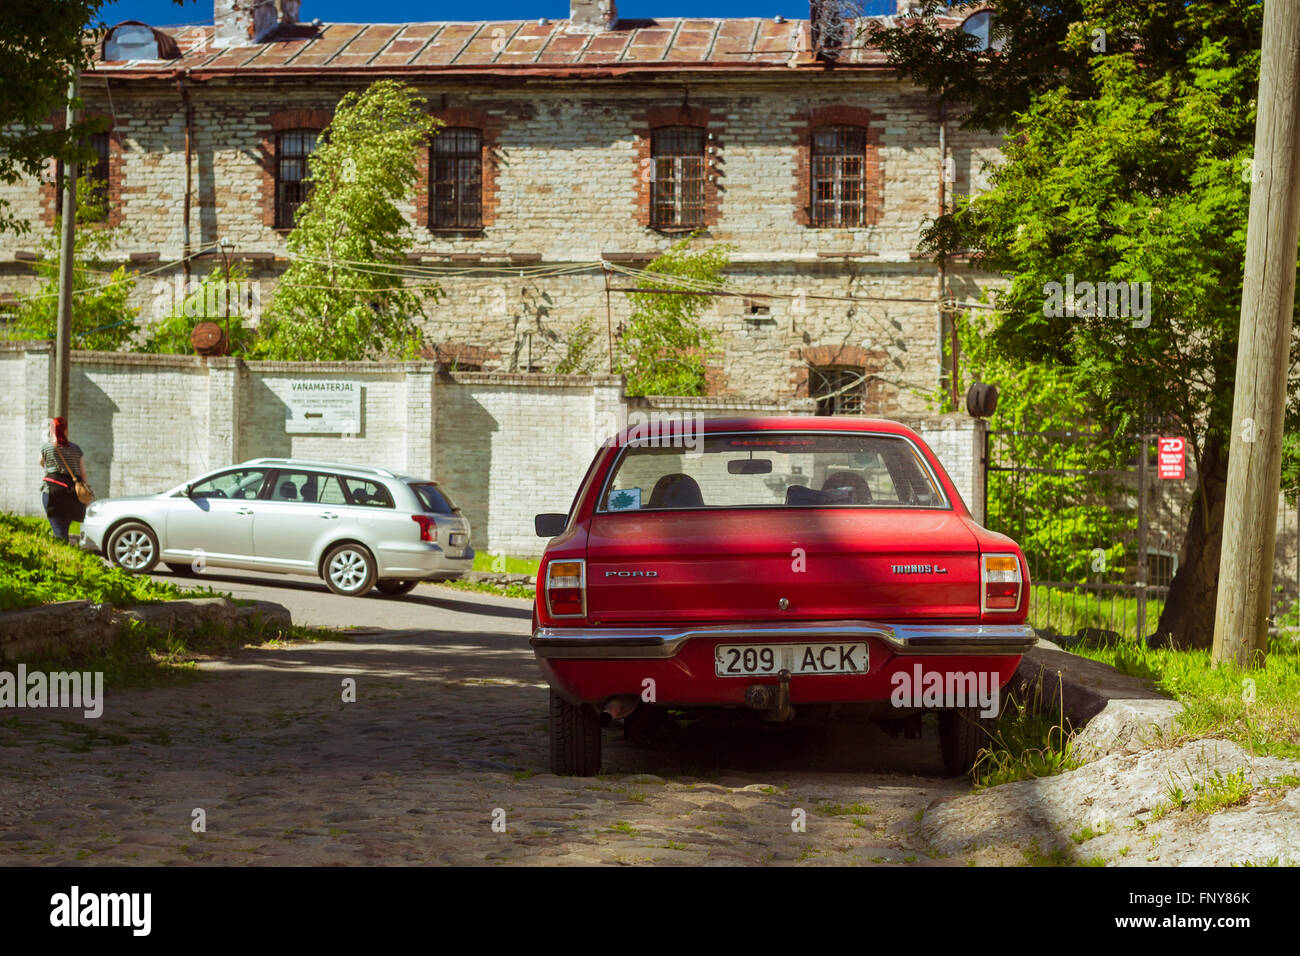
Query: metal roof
[512,46]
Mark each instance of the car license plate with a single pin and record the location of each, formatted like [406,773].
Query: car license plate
[456,540]
[750,660]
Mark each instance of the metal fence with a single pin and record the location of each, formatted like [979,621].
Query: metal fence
[1100,530]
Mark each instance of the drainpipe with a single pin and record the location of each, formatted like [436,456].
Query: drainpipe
[943,266]
[185,209]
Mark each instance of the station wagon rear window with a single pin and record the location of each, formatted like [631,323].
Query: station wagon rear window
[774,470]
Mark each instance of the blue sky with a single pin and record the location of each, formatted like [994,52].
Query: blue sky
[166,13]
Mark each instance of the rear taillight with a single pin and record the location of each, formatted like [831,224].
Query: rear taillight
[428,528]
[566,588]
[999,582]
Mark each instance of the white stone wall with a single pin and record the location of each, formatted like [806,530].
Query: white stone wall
[505,446]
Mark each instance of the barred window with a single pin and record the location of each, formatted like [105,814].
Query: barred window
[677,187]
[839,176]
[838,390]
[96,176]
[456,179]
[292,147]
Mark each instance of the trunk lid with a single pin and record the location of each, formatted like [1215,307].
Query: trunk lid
[683,567]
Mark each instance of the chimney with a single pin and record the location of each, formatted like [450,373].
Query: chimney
[592,16]
[245,22]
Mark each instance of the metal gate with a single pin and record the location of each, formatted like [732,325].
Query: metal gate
[1100,531]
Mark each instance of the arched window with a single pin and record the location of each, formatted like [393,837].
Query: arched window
[677,183]
[838,390]
[456,179]
[980,26]
[839,176]
[292,147]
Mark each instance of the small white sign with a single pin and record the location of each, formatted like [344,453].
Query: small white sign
[321,406]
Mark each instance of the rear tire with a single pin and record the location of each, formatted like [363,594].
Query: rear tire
[575,738]
[396,587]
[963,733]
[349,570]
[133,547]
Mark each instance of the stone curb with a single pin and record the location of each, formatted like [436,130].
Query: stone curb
[1111,712]
[83,626]
[497,577]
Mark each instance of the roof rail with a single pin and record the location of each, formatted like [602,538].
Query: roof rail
[332,465]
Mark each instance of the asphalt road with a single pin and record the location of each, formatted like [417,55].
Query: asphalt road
[441,758]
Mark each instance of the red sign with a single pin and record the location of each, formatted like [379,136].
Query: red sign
[1172,457]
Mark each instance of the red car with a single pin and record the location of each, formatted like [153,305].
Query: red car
[774,565]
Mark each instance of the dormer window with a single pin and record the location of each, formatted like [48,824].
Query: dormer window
[133,40]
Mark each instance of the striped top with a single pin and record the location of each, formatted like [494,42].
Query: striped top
[51,463]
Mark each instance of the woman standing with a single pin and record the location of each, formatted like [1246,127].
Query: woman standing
[63,463]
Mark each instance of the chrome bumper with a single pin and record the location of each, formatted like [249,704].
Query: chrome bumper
[663,642]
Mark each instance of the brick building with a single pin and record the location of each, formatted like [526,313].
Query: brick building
[571,149]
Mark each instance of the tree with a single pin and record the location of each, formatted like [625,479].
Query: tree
[101,318]
[664,344]
[1123,162]
[344,297]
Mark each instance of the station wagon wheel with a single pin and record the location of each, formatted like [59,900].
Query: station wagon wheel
[349,570]
[963,733]
[575,738]
[396,587]
[133,547]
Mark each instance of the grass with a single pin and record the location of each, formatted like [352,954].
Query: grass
[1065,612]
[36,569]
[504,590]
[1026,744]
[1086,833]
[1218,700]
[505,563]
[828,809]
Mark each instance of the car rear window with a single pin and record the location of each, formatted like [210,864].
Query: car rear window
[433,499]
[368,493]
[774,470]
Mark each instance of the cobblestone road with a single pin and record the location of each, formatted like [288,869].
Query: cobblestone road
[447,736]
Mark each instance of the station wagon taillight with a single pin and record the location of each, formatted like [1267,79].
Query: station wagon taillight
[428,528]
[566,588]
[999,582]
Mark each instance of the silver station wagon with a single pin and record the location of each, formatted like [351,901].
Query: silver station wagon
[354,526]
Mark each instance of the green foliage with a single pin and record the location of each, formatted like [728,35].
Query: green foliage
[580,356]
[207,303]
[38,43]
[37,569]
[342,298]
[101,318]
[664,345]
[1258,708]
[1064,517]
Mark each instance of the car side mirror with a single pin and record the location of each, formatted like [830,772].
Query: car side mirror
[550,524]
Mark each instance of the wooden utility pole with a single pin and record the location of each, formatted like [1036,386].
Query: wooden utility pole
[63,338]
[1263,349]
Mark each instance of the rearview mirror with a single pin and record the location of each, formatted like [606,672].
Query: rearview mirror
[550,524]
[750,466]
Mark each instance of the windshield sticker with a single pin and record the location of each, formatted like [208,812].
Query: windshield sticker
[625,499]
